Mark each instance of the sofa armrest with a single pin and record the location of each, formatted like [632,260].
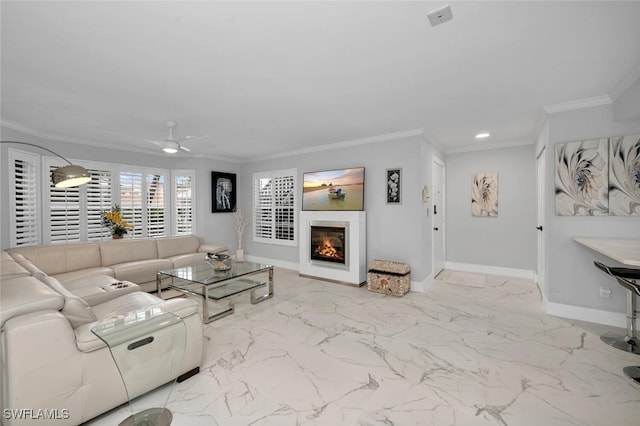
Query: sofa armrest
[213,248]
[24,295]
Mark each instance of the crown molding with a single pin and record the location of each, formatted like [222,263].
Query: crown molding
[578,104]
[472,148]
[344,144]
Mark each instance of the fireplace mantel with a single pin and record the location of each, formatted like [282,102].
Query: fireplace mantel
[355,273]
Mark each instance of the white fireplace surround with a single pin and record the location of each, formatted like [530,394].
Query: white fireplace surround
[355,272]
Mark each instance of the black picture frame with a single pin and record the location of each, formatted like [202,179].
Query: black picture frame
[223,192]
[394,185]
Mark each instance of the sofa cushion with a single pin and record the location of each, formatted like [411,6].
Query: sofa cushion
[60,258]
[124,251]
[85,273]
[96,289]
[187,259]
[22,295]
[182,244]
[76,310]
[142,271]
[10,268]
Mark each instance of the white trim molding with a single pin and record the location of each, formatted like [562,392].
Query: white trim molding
[580,313]
[578,104]
[493,270]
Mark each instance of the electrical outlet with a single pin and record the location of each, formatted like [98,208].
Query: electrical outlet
[605,292]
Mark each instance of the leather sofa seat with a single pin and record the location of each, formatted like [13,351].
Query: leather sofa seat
[51,360]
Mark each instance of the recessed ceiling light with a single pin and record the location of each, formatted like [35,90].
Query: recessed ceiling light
[482,135]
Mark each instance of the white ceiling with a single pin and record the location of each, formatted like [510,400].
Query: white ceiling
[265,78]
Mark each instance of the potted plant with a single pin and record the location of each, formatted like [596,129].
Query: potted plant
[240,221]
[113,219]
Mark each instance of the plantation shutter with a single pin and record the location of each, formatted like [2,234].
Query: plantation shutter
[183,200]
[98,199]
[284,203]
[23,176]
[262,209]
[274,207]
[156,208]
[131,201]
[63,210]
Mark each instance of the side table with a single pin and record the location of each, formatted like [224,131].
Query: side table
[138,343]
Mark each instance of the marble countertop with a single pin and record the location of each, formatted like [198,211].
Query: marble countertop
[626,251]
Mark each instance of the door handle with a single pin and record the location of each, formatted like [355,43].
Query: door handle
[539,228]
[435,229]
[435,209]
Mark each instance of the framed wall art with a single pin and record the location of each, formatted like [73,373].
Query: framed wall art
[394,186]
[484,194]
[582,178]
[223,192]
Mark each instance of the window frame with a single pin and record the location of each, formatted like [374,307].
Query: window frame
[270,225]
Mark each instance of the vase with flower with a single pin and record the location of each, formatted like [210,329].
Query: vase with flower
[113,219]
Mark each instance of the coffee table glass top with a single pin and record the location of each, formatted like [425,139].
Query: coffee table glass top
[203,273]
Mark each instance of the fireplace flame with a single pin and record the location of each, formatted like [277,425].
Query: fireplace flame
[326,249]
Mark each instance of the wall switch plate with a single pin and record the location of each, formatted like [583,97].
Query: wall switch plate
[605,292]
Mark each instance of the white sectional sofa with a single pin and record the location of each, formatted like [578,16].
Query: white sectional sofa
[50,299]
[136,260]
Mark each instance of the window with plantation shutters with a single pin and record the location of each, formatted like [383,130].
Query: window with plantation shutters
[156,208]
[143,200]
[274,207]
[24,199]
[156,202]
[62,210]
[131,201]
[99,197]
[183,190]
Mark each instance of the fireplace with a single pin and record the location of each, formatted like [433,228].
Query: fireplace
[332,246]
[328,242]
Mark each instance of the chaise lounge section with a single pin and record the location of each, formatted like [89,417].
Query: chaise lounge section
[50,299]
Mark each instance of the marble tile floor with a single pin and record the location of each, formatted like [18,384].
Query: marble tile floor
[472,350]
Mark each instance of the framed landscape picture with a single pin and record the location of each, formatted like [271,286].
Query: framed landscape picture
[223,192]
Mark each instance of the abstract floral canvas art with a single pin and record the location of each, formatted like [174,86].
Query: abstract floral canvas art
[484,194]
[624,176]
[582,170]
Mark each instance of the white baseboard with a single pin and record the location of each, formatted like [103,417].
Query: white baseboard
[614,319]
[493,270]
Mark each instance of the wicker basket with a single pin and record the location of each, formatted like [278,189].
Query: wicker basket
[389,277]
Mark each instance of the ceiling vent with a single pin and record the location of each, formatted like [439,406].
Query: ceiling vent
[440,16]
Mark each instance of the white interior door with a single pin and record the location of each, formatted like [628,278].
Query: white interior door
[438,216]
[540,273]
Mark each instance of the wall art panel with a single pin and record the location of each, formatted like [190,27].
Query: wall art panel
[484,194]
[582,178]
[624,176]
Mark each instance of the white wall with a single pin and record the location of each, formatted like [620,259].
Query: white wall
[394,232]
[571,277]
[505,241]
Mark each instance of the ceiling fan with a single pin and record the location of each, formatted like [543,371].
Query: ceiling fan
[171,145]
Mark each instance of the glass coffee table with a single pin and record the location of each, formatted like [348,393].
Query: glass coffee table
[204,281]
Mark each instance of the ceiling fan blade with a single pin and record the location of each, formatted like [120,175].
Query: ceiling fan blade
[192,138]
[184,148]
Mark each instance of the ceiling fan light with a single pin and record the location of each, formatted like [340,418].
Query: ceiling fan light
[170,147]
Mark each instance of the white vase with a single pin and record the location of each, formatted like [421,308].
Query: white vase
[239,254]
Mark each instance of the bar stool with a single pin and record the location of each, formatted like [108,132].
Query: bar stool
[630,342]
